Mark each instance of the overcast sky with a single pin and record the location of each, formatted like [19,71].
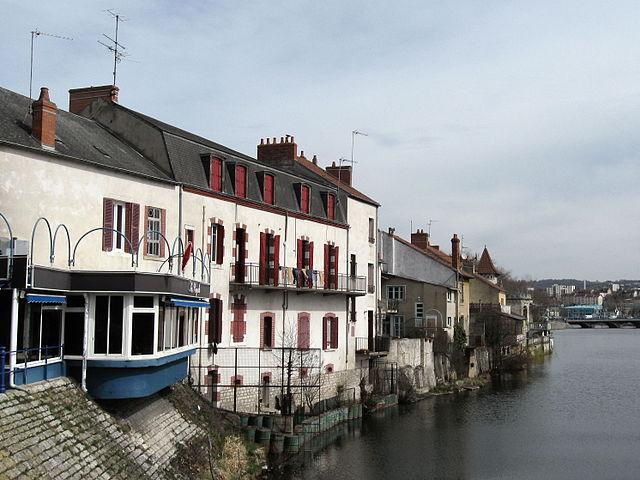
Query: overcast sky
[515,124]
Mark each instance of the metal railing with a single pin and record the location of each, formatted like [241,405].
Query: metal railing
[378,344]
[27,358]
[294,278]
[393,305]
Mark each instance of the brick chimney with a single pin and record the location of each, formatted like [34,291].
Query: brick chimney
[80,98]
[283,151]
[455,252]
[43,123]
[342,173]
[420,239]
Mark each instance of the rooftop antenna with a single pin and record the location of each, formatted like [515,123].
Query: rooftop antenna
[113,45]
[353,141]
[429,225]
[36,33]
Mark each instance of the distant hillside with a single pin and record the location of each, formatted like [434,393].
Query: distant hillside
[547,282]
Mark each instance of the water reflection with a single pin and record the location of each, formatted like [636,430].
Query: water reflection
[575,415]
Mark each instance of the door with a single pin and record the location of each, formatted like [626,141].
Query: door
[240,255]
[371,331]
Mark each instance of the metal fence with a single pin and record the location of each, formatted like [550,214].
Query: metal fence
[254,380]
[32,365]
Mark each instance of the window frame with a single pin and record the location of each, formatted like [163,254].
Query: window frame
[401,290]
[119,238]
[153,239]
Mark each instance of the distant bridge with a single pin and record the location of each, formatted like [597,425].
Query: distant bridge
[605,322]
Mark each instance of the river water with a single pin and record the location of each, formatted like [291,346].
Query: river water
[574,416]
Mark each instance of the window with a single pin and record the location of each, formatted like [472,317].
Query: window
[331,206]
[395,292]
[305,192]
[241,181]
[304,336]
[269,271]
[450,296]
[216,245]
[419,314]
[371,278]
[264,397]
[330,332]
[119,224]
[241,254]
[397,325]
[267,330]
[330,267]
[108,324]
[177,327]
[215,320]
[153,230]
[448,321]
[304,253]
[74,325]
[42,327]
[268,194]
[372,231]
[143,321]
[238,324]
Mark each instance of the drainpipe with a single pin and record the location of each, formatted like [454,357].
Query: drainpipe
[347,298]
[85,343]
[180,226]
[13,346]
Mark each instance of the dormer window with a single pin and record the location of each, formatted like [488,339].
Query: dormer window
[305,194]
[330,205]
[268,189]
[213,170]
[240,181]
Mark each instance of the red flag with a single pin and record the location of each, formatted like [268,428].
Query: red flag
[186,255]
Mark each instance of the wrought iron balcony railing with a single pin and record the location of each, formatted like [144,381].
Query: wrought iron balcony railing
[377,344]
[251,274]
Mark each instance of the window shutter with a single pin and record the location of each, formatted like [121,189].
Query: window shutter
[127,233]
[218,305]
[311,263]
[211,333]
[334,332]
[300,253]
[107,223]
[303,331]
[268,189]
[220,245]
[276,259]
[241,181]
[335,266]
[262,274]
[324,333]
[216,175]
[135,226]
[163,230]
[326,266]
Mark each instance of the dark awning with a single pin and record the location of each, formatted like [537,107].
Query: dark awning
[38,298]
[179,302]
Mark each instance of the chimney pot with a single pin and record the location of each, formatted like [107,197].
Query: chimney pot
[262,141]
[315,160]
[274,139]
[392,231]
[43,119]
[281,139]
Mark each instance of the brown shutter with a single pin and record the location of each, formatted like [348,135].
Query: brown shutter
[132,227]
[326,266]
[146,230]
[311,264]
[335,266]
[107,223]
[324,333]
[212,321]
[262,274]
[220,246]
[334,332]
[218,305]
[276,259]
[303,331]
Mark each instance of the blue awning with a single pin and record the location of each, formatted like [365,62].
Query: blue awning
[179,302]
[37,298]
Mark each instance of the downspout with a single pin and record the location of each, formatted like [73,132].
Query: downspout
[347,299]
[180,227]
[14,337]
[85,343]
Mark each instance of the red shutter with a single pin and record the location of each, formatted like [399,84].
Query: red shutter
[262,274]
[276,259]
[239,327]
[220,246]
[331,207]
[335,267]
[324,332]
[127,228]
[303,331]
[334,332]
[311,264]
[107,223]
[300,253]
[135,226]
[218,305]
[241,181]
[304,199]
[268,189]
[146,230]
[216,174]
[326,266]
[211,333]
[163,230]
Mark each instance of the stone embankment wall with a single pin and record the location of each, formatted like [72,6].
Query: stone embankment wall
[52,430]
[416,369]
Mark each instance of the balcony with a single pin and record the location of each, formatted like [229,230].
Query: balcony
[373,346]
[303,281]
[393,305]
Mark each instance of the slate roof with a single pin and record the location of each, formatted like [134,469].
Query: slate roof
[76,137]
[485,266]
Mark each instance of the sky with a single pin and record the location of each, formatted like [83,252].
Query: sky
[514,124]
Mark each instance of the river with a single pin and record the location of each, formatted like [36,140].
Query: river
[574,416]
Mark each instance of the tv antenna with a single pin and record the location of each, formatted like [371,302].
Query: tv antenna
[429,225]
[353,141]
[113,45]
[36,33]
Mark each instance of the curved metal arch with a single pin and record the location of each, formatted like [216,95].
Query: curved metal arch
[143,237]
[204,265]
[33,234]
[103,229]
[10,266]
[55,236]
[168,259]
[181,251]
